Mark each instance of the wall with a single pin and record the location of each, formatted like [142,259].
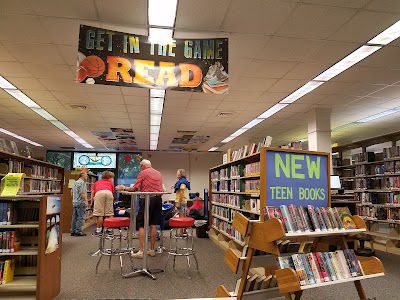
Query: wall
[197,167]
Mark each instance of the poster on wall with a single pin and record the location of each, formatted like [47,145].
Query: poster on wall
[116,58]
[52,224]
[297,178]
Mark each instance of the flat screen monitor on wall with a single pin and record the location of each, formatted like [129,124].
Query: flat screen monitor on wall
[95,160]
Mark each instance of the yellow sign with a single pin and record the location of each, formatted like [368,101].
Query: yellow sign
[11,183]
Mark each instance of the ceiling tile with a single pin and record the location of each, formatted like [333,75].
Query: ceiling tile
[5,55]
[339,3]
[201,96]
[268,69]
[188,15]
[390,6]
[246,45]
[248,84]
[287,49]
[388,92]
[61,85]
[26,83]
[134,91]
[369,75]
[266,16]
[128,12]
[134,101]
[325,20]
[286,85]
[13,69]
[73,9]
[45,70]
[306,71]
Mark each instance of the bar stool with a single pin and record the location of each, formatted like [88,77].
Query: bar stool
[180,223]
[112,224]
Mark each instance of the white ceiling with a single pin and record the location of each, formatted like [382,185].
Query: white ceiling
[275,46]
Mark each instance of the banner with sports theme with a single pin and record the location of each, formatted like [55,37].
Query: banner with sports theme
[116,58]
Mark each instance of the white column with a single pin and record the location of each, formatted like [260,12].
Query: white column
[319,130]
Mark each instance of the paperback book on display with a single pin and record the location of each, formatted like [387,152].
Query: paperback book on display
[318,267]
[297,219]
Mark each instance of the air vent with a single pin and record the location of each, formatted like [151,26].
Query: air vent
[79,106]
[68,148]
[225,114]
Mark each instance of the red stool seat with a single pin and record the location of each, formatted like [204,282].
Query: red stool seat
[181,222]
[116,222]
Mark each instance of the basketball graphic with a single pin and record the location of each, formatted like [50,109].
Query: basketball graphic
[81,74]
[93,65]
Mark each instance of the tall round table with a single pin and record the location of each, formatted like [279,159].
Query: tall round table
[132,228]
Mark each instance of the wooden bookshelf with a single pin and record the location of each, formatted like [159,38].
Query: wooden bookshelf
[40,280]
[67,207]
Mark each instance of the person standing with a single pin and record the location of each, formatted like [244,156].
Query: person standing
[103,196]
[148,180]
[79,203]
[181,189]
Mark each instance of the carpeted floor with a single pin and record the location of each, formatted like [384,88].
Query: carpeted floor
[79,281]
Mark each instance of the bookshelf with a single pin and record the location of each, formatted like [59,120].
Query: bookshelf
[35,221]
[264,236]
[67,207]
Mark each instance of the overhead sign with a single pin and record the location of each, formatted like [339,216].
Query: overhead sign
[297,178]
[117,58]
[95,160]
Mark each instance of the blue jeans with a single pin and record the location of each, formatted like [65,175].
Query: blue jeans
[77,218]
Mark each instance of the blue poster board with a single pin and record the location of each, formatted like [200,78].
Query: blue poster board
[296,178]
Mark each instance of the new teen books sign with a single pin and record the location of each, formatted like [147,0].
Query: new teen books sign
[117,58]
[296,178]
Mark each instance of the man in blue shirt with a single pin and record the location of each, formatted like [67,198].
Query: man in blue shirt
[79,203]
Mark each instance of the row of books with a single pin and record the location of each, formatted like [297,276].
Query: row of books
[9,242]
[363,170]
[379,212]
[391,167]
[236,171]
[228,229]
[39,186]
[7,268]
[248,150]
[378,198]
[252,169]
[237,201]
[296,219]
[236,185]
[252,186]
[15,166]
[392,152]
[252,205]
[319,267]
[364,157]
[338,161]
[8,213]
[392,182]
[257,279]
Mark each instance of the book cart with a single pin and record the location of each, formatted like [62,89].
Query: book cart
[35,217]
[264,235]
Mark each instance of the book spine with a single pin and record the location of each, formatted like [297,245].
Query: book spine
[1,242]
[307,267]
[12,241]
[339,265]
[350,265]
[8,240]
[343,263]
[305,219]
[314,218]
[293,219]
[320,219]
[4,218]
[325,218]
[286,218]
[323,268]
[337,217]
[335,265]
[354,260]
[303,227]
[1,271]
[301,273]
[314,268]
[332,218]
[328,263]
[5,271]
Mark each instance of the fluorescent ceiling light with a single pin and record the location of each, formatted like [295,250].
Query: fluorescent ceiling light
[154,93]
[71,134]
[153,147]
[160,36]
[87,145]
[239,132]
[271,111]
[44,114]
[155,120]
[78,139]
[162,12]
[379,115]
[345,126]
[154,137]
[156,105]
[253,123]
[5,84]
[24,99]
[154,129]
[228,139]
[59,125]
[213,149]
[305,89]
[19,137]
[347,62]
[387,36]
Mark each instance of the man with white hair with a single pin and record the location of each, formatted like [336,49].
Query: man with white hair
[148,180]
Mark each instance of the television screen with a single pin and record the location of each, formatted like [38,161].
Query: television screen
[95,160]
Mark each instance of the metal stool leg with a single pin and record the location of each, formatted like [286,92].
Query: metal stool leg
[120,249]
[169,252]
[112,251]
[176,246]
[187,254]
[101,247]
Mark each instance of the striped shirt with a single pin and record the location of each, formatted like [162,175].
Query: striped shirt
[78,189]
[149,180]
